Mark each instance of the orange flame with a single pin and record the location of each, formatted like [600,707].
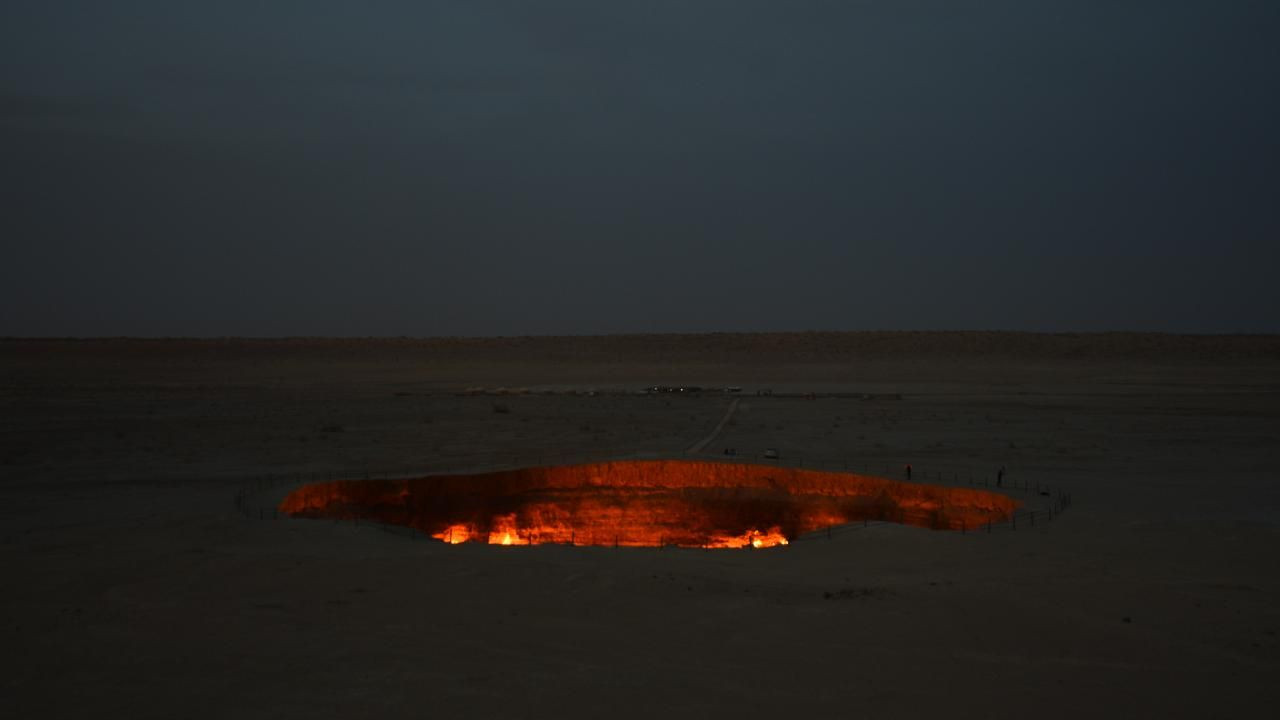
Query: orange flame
[646,503]
[504,531]
[454,534]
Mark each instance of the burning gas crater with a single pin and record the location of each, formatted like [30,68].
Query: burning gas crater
[645,503]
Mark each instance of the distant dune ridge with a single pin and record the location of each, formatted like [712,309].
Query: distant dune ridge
[884,362]
[732,348]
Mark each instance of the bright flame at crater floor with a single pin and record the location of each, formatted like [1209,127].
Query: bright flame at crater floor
[645,503]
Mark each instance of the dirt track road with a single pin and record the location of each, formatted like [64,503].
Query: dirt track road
[699,446]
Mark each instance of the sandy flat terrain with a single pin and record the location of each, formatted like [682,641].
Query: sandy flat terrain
[135,587]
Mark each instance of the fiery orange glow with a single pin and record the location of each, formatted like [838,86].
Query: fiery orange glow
[646,503]
[503,530]
[454,534]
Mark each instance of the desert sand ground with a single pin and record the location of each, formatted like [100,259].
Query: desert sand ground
[134,587]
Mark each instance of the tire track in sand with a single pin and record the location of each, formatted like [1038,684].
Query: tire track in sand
[697,447]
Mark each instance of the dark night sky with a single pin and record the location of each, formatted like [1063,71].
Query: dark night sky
[509,167]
